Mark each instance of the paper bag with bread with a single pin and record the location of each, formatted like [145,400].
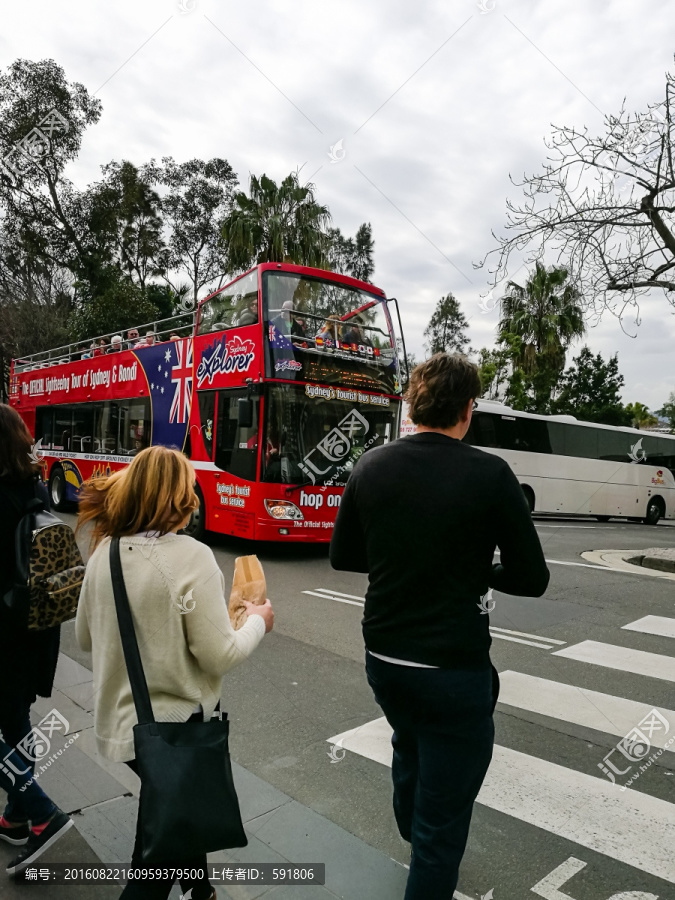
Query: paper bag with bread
[248,584]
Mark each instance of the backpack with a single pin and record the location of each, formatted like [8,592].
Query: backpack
[48,573]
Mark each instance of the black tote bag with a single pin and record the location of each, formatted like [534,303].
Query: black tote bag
[188,803]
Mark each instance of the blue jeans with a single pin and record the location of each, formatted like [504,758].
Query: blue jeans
[442,742]
[16,770]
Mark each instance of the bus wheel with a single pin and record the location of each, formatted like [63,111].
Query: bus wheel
[654,512]
[57,489]
[196,527]
[602,518]
[529,497]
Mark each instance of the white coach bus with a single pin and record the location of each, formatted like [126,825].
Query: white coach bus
[568,467]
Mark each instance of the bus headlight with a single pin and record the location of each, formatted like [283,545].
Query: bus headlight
[283,509]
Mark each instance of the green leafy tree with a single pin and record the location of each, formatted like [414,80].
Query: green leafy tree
[668,411]
[493,368]
[545,314]
[591,390]
[640,416]
[45,116]
[352,256]
[197,198]
[277,223]
[121,305]
[446,329]
[121,219]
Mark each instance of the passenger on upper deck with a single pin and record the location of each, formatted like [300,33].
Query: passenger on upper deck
[283,321]
[115,343]
[100,348]
[353,333]
[132,338]
[298,328]
[250,315]
[330,330]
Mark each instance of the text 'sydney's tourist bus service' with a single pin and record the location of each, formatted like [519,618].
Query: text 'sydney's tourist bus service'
[287,376]
[570,467]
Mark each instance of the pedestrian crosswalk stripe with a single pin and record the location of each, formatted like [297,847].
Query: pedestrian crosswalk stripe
[337,599]
[631,827]
[515,640]
[339,594]
[659,625]
[524,634]
[580,706]
[625,659]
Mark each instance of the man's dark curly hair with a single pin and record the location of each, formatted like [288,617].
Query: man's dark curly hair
[440,389]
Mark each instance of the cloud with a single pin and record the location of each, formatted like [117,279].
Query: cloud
[450,119]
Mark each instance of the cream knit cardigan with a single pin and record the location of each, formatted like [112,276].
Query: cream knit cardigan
[177,598]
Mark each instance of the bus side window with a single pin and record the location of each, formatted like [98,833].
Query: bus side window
[236,447]
[532,435]
[105,428]
[44,427]
[484,430]
[63,428]
[134,433]
[83,427]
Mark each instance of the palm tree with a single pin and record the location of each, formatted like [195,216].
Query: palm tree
[277,223]
[546,315]
[641,417]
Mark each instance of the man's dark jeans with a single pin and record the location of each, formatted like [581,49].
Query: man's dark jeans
[443,739]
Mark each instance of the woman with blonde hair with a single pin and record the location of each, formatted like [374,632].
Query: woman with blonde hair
[177,599]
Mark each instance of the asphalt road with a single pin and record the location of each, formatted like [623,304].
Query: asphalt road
[575,681]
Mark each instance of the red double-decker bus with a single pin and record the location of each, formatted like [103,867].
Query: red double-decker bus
[273,389]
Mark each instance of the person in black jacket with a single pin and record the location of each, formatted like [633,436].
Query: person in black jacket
[423,516]
[28,660]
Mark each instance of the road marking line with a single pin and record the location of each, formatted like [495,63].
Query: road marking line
[592,527]
[506,636]
[337,599]
[515,640]
[628,826]
[592,709]
[660,625]
[625,659]
[564,562]
[339,594]
[537,637]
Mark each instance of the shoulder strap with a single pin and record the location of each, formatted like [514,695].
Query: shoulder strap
[132,656]
[22,541]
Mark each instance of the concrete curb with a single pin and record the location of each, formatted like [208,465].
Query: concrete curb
[653,562]
[624,560]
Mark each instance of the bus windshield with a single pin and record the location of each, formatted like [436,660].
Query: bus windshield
[326,332]
[314,435]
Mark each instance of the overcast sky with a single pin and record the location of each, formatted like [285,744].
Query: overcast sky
[435,104]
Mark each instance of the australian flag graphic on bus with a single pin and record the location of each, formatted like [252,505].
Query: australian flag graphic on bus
[168,368]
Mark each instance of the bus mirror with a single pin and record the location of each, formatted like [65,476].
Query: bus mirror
[245,412]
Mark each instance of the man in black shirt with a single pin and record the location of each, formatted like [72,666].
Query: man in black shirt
[423,516]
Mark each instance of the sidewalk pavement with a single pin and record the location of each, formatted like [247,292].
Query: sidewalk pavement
[103,799]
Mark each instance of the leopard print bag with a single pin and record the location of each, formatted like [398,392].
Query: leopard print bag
[49,571]
[56,575]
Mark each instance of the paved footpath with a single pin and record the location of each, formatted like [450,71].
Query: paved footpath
[103,798]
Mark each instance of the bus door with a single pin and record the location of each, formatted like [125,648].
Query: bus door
[236,455]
